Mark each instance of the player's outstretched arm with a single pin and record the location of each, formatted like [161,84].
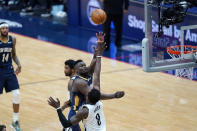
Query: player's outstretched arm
[15,58]
[101,47]
[56,104]
[118,94]
[93,63]
[100,40]
[81,114]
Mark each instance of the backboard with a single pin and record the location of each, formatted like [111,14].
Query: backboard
[155,57]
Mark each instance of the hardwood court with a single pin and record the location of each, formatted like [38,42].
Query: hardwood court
[153,101]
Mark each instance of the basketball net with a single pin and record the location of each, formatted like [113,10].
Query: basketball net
[175,52]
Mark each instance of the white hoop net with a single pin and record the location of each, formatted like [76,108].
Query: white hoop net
[175,52]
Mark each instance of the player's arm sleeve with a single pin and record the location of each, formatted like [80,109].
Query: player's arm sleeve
[65,123]
[126,4]
[14,56]
[81,114]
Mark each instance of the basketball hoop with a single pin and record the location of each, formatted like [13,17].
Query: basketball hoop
[175,52]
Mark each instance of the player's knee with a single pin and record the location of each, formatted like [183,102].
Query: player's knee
[16,96]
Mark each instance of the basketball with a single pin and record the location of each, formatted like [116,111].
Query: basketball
[98,16]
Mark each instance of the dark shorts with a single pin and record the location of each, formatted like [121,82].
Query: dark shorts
[9,82]
[76,127]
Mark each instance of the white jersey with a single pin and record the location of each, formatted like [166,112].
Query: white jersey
[96,119]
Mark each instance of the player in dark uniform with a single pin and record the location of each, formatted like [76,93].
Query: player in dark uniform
[69,71]
[78,93]
[81,82]
[76,100]
[8,79]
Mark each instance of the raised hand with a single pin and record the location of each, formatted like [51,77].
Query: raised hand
[100,37]
[53,103]
[101,46]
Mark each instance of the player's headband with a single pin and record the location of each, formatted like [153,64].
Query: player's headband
[3,25]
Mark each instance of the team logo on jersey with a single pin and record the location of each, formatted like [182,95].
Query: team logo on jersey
[92,5]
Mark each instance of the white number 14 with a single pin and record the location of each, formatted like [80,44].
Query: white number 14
[5,57]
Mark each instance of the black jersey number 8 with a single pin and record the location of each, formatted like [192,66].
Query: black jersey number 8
[98,119]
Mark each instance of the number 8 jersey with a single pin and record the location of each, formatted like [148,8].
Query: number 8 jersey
[6,53]
[96,119]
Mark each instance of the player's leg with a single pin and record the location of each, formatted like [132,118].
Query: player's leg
[2,81]
[12,85]
[118,27]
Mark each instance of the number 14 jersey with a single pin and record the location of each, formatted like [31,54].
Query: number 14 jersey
[6,52]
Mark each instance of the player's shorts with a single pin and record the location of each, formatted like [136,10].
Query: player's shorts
[8,80]
[76,127]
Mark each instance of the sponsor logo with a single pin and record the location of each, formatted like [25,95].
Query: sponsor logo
[92,5]
[172,31]
[92,43]
[132,47]
[12,23]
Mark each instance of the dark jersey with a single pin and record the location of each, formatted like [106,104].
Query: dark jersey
[6,53]
[78,99]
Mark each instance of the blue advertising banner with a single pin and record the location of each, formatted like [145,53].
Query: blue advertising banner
[133,22]
[73,11]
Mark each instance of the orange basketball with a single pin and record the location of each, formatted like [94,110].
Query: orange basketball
[98,16]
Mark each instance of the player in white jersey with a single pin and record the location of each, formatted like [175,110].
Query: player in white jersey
[96,118]
[91,113]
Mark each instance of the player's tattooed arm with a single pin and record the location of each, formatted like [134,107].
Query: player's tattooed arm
[118,94]
[15,58]
[81,114]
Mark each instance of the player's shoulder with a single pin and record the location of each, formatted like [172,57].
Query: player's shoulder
[13,38]
[100,102]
